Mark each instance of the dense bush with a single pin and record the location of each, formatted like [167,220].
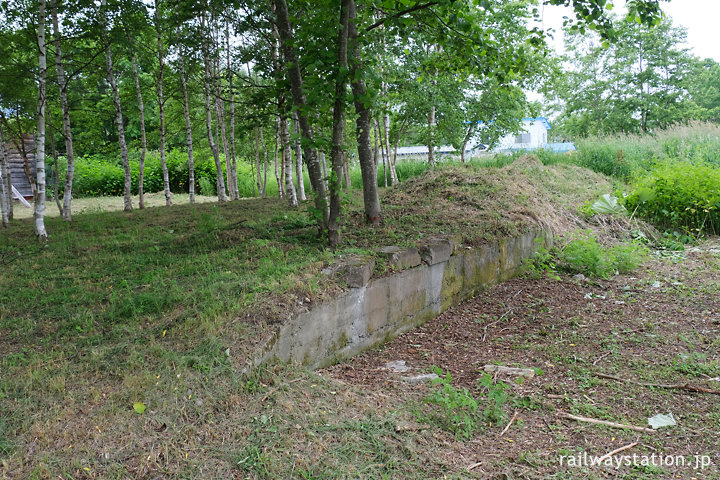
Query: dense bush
[102,176]
[679,195]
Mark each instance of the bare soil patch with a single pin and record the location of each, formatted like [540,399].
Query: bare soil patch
[659,326]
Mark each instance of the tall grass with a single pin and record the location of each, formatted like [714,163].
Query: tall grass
[629,156]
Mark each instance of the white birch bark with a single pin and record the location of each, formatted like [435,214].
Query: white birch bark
[5,188]
[39,211]
[208,119]
[233,161]
[161,106]
[56,187]
[143,135]
[188,128]
[67,130]
[277,141]
[287,162]
[258,180]
[127,201]
[263,191]
[383,150]
[298,161]
[220,121]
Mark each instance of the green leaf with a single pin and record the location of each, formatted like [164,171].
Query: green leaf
[608,204]
[139,407]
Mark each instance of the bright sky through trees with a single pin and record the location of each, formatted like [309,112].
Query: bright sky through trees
[698,16]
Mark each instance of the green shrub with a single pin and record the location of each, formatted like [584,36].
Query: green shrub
[583,254]
[458,408]
[97,175]
[679,195]
[207,187]
[459,411]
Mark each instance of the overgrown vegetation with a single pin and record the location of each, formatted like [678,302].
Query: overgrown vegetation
[583,254]
[460,412]
[681,196]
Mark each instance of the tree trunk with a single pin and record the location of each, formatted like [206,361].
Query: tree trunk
[383,150]
[465,141]
[220,121]
[391,162]
[298,161]
[6,190]
[431,136]
[323,163]
[296,86]
[233,161]
[257,162]
[56,187]
[119,120]
[188,128]
[336,153]
[161,106]
[67,131]
[277,142]
[208,120]
[431,122]
[39,211]
[371,197]
[263,190]
[286,156]
[143,134]
[393,172]
[346,173]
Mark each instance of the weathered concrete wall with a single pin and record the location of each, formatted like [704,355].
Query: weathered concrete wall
[364,317]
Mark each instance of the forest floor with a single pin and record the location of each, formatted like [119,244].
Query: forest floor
[122,339]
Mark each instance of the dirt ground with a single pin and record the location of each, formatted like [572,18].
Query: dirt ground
[659,326]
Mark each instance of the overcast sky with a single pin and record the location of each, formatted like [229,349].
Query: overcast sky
[700,17]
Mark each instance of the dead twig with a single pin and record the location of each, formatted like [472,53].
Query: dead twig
[493,323]
[601,357]
[606,423]
[616,451]
[680,386]
[509,423]
[474,465]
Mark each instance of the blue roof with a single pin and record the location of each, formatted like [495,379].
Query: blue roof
[539,119]
[543,120]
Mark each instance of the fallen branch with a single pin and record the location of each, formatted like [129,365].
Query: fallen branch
[680,386]
[606,423]
[474,465]
[601,357]
[616,451]
[510,423]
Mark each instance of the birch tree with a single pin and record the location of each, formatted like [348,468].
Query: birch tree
[127,186]
[161,106]
[300,101]
[208,113]
[6,188]
[188,126]
[39,209]
[67,130]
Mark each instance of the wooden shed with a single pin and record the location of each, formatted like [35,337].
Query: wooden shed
[17,153]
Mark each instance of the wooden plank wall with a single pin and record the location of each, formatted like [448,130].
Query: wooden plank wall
[17,165]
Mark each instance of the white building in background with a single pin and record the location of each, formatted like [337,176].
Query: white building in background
[534,135]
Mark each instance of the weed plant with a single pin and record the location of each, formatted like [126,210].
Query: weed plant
[584,254]
[460,412]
